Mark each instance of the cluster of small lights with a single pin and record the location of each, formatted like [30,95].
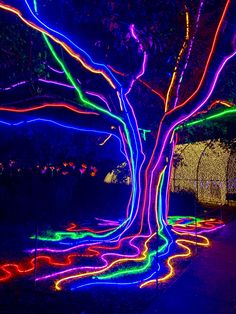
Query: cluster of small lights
[66,168]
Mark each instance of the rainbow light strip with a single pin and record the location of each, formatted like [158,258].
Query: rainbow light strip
[142,243]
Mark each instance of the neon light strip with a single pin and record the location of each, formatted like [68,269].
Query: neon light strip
[124,101]
[53,122]
[188,54]
[104,142]
[61,84]
[118,261]
[133,151]
[176,256]
[210,117]
[65,46]
[8,8]
[178,60]
[85,101]
[210,55]
[221,66]
[8,273]
[142,82]
[112,283]
[57,124]
[35,7]
[55,70]
[48,105]
[83,53]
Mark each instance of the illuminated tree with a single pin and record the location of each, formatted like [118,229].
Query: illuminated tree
[118,103]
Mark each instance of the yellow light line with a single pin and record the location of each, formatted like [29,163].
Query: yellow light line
[176,256]
[178,59]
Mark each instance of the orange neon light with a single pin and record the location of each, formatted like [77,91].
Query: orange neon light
[210,55]
[178,60]
[118,261]
[141,81]
[106,139]
[218,101]
[46,105]
[170,260]
[62,44]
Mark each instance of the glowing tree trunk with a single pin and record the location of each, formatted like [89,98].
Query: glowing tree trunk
[146,175]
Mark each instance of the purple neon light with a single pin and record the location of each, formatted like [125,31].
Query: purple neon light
[55,70]
[180,120]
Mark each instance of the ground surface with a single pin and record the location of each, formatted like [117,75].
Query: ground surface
[209,283]
[207,286]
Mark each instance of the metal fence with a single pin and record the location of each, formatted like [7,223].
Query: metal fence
[208,170]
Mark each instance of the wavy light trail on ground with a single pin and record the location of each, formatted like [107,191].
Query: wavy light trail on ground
[187,237]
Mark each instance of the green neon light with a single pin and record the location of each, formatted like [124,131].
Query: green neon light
[132,270]
[173,219]
[143,133]
[137,269]
[90,104]
[211,117]
[160,232]
[58,236]
[87,103]
[147,265]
